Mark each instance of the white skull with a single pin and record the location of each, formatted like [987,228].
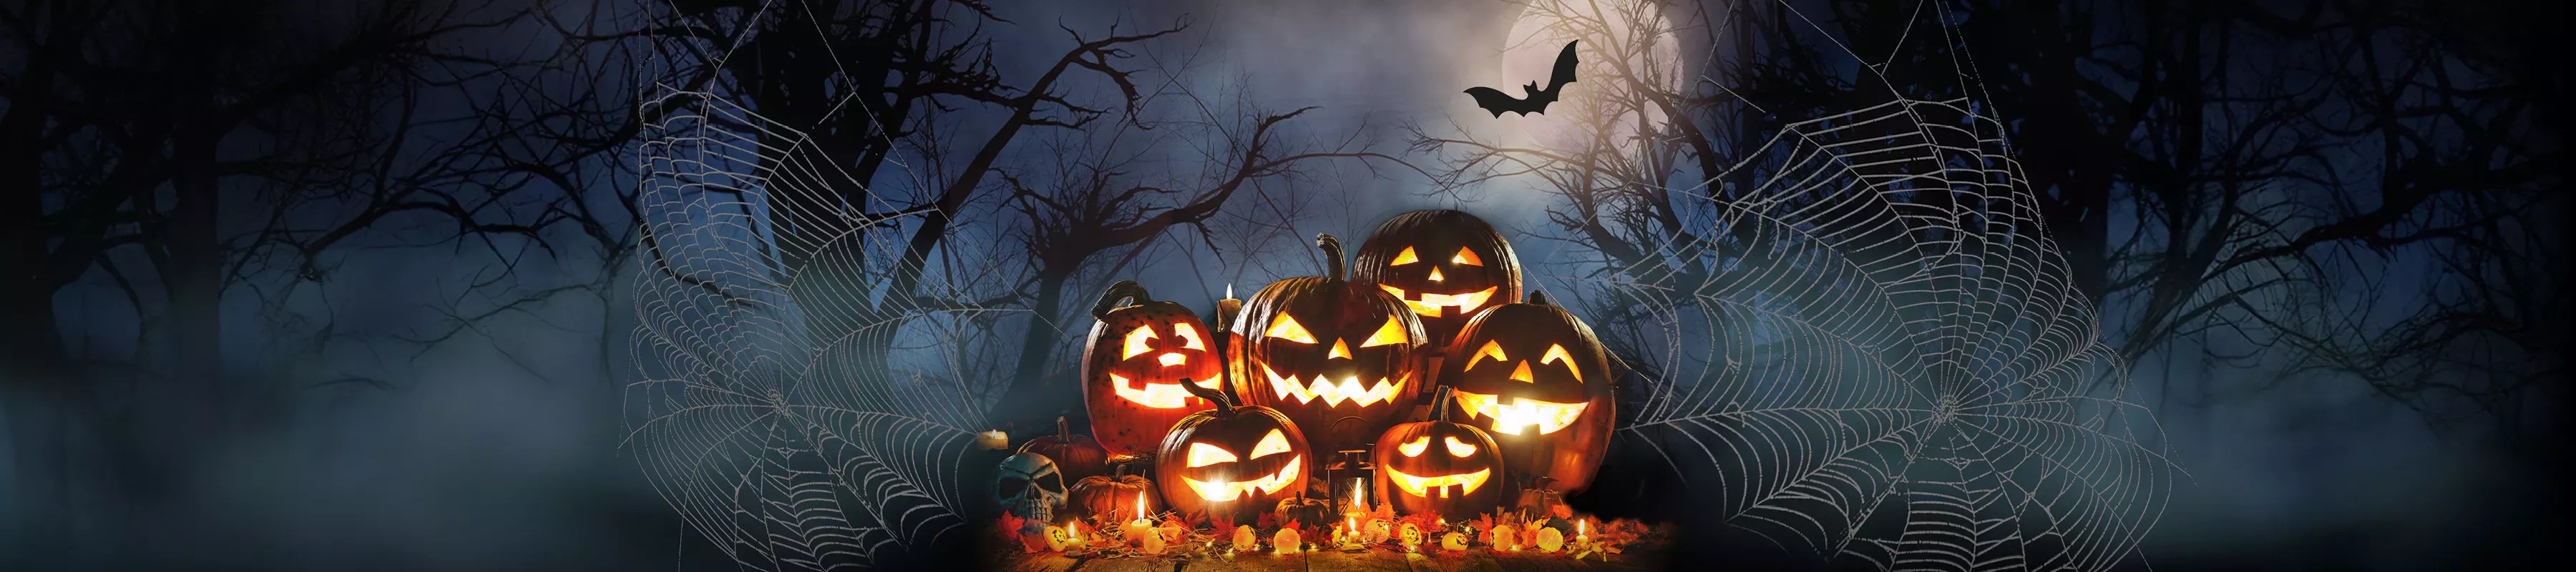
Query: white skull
[1030,487]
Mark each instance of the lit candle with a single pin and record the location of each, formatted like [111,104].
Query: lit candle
[1141,523]
[1578,532]
[1226,308]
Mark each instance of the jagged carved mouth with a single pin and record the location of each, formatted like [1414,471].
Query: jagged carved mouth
[1549,416]
[1221,491]
[1334,393]
[1155,395]
[1429,304]
[1467,483]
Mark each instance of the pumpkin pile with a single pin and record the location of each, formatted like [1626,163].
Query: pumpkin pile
[1427,357]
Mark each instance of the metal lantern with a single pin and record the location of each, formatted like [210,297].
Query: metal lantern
[1351,474]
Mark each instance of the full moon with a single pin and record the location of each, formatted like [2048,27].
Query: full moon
[1629,52]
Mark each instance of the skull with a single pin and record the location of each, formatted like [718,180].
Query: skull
[1030,487]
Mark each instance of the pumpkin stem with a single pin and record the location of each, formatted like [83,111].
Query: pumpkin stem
[1440,403]
[1539,298]
[1109,298]
[1332,255]
[1063,431]
[1224,407]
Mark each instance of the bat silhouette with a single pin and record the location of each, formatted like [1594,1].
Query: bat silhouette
[1536,102]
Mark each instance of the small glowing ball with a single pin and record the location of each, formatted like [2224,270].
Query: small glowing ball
[1549,540]
[1286,541]
[1244,539]
[1454,541]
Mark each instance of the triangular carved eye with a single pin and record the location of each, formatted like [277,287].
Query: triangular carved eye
[1287,328]
[1467,257]
[1391,333]
[1403,258]
[1202,454]
[1493,350]
[1555,354]
[1274,443]
[1136,342]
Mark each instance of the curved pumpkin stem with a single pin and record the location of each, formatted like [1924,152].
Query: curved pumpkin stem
[1224,407]
[1539,298]
[1332,255]
[1109,298]
[1063,431]
[1440,403]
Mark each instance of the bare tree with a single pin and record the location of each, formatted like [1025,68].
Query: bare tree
[2211,169]
[1110,190]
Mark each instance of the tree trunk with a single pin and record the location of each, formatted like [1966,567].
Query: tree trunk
[195,282]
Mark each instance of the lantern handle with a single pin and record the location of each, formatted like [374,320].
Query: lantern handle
[1109,298]
[1223,407]
[1440,398]
[1332,255]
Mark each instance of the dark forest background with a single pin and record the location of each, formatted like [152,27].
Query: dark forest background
[321,284]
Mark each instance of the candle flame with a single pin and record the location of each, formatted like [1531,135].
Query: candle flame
[1140,507]
[1229,290]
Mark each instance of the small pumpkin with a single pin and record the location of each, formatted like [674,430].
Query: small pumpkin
[1305,511]
[1076,456]
[1438,466]
[1535,378]
[1114,497]
[1336,356]
[1444,264]
[1237,461]
[1134,360]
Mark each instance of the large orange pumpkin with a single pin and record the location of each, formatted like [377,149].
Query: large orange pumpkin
[1445,265]
[1232,461]
[1534,377]
[1439,467]
[1336,356]
[1133,365]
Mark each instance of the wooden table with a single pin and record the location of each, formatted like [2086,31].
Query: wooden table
[1381,558]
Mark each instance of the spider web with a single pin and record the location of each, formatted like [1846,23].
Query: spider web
[1888,365]
[777,416]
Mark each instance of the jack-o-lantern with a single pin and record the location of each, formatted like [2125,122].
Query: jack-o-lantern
[1439,467]
[1134,362]
[1444,264]
[1237,461]
[1077,456]
[1336,356]
[1116,497]
[1534,377]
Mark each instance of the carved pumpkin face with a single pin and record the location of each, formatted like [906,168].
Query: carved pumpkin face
[1439,467]
[1534,377]
[1445,265]
[1135,360]
[1336,356]
[1237,461]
